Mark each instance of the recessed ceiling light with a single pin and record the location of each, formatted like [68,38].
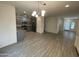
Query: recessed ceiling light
[67,5]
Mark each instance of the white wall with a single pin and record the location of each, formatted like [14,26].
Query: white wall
[7,25]
[61,24]
[40,24]
[52,24]
[76,44]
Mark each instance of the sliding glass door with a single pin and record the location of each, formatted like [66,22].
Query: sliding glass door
[69,25]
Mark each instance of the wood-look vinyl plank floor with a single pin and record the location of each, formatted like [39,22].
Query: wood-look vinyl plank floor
[42,45]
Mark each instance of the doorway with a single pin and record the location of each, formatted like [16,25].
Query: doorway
[69,25]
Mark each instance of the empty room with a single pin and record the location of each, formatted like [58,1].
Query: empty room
[39,28]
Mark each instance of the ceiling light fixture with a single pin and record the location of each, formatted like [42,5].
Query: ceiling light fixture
[38,12]
[24,12]
[42,12]
[67,5]
[34,13]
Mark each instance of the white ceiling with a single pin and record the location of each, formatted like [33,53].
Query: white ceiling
[53,8]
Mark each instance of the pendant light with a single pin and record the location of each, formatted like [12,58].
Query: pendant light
[38,12]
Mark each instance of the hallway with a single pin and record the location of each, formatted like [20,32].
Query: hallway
[42,45]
